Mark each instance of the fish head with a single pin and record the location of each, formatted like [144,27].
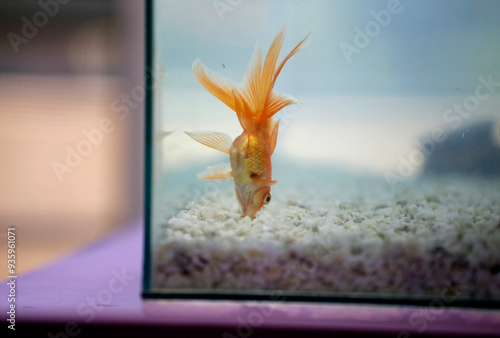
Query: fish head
[252,198]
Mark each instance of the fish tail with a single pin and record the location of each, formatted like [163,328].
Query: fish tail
[219,86]
[254,101]
[257,89]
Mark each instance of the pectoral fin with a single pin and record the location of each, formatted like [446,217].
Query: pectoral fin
[218,141]
[216,172]
[264,182]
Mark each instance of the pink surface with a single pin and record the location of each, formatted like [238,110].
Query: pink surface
[102,285]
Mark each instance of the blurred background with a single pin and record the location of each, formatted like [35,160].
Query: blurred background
[71,121]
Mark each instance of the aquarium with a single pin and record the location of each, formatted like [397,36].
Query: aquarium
[324,150]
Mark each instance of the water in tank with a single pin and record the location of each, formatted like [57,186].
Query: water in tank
[324,149]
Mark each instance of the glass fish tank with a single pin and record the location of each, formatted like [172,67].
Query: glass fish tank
[324,150]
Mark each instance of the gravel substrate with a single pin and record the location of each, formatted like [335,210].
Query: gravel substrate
[429,238]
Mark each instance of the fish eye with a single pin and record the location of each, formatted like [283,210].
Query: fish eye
[267,198]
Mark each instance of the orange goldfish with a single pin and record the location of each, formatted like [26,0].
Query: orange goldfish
[255,102]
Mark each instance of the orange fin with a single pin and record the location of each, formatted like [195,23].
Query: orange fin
[268,77]
[218,141]
[264,182]
[216,172]
[275,101]
[251,85]
[258,79]
[273,136]
[254,101]
[242,111]
[301,45]
[257,91]
[217,85]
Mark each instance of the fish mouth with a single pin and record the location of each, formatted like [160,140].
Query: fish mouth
[244,195]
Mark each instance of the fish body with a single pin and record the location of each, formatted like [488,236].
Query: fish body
[251,170]
[255,102]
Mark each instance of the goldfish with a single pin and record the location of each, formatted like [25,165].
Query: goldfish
[255,103]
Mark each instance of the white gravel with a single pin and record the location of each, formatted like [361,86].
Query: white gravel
[351,235]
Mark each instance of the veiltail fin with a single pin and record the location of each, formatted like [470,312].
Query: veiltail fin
[217,85]
[254,101]
[276,101]
[258,88]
